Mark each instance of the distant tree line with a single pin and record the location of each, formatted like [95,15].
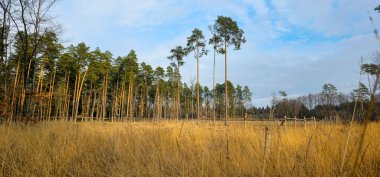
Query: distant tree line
[40,78]
[328,104]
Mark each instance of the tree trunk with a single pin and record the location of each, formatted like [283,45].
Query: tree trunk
[67,97]
[198,105]
[51,94]
[129,98]
[105,89]
[226,85]
[213,89]
[141,115]
[74,97]
[14,92]
[147,100]
[156,98]
[93,106]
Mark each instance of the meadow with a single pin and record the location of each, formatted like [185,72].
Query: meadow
[186,149]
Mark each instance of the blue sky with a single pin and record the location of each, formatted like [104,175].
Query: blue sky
[292,45]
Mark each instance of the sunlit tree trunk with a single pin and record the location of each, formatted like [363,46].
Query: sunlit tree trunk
[147,100]
[225,82]
[129,99]
[74,96]
[198,104]
[141,106]
[178,101]
[51,93]
[77,93]
[93,106]
[15,85]
[105,90]
[213,89]
[192,101]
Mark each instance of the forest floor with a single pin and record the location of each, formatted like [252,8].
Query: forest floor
[186,149]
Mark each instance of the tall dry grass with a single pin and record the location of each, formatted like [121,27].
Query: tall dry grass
[183,149]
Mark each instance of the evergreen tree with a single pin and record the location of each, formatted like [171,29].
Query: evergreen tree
[228,30]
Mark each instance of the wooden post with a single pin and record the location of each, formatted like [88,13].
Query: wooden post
[315,123]
[295,119]
[266,148]
[285,121]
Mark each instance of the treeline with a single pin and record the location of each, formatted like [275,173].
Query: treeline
[40,78]
[328,104]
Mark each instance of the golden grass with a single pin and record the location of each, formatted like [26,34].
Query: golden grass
[182,149]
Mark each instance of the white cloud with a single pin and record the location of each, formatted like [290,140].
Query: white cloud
[266,63]
[301,70]
[329,17]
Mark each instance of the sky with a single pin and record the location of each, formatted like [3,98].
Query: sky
[292,45]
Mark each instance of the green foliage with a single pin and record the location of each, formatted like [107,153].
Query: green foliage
[196,42]
[19,48]
[329,89]
[92,83]
[74,59]
[247,95]
[362,92]
[215,40]
[146,72]
[176,57]
[99,64]
[207,93]
[128,66]
[159,73]
[282,93]
[170,74]
[50,50]
[228,30]
[371,69]
[377,8]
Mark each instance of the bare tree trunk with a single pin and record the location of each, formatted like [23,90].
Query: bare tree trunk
[93,106]
[14,92]
[67,97]
[122,98]
[155,112]
[25,52]
[178,100]
[74,96]
[105,89]
[88,109]
[198,105]
[129,99]
[192,101]
[147,99]
[51,95]
[226,85]
[134,105]
[213,89]
[141,104]
[166,105]
[79,91]
[39,90]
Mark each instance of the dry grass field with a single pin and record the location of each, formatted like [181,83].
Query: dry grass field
[185,149]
